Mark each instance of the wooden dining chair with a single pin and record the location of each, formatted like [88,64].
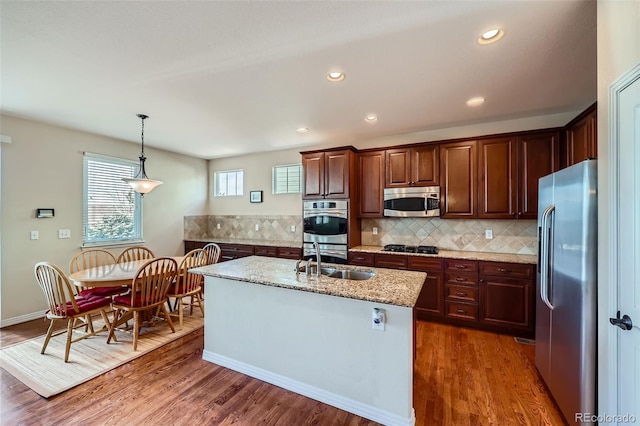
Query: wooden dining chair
[65,304]
[148,291]
[95,258]
[135,253]
[188,284]
[213,253]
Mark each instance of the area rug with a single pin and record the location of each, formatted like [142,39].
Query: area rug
[49,375]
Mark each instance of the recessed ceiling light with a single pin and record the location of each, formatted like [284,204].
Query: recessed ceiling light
[302,130]
[491,35]
[475,101]
[335,76]
[371,118]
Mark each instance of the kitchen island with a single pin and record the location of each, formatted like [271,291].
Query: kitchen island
[314,335]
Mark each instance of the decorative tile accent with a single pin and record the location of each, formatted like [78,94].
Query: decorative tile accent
[243,227]
[509,236]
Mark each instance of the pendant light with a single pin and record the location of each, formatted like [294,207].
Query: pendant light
[141,183]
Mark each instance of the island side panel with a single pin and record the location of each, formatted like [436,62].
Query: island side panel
[320,340]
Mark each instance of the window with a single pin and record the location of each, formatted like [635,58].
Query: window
[112,211]
[228,183]
[287,179]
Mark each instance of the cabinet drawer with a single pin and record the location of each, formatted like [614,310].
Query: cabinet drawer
[461,293]
[234,251]
[363,259]
[265,251]
[420,263]
[461,265]
[461,310]
[289,253]
[499,269]
[461,278]
[192,245]
[395,261]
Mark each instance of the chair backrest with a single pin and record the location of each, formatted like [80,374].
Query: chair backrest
[152,281]
[188,282]
[91,258]
[135,253]
[213,253]
[57,290]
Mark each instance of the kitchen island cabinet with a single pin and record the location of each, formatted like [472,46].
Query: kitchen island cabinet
[313,335]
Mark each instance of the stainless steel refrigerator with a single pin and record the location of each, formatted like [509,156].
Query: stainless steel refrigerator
[566,287]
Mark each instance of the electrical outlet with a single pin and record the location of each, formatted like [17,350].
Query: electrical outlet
[488,234]
[217,226]
[378,319]
[34,235]
[293,228]
[257,227]
[375,230]
[64,233]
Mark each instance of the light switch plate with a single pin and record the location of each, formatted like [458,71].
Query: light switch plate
[488,234]
[293,228]
[375,230]
[34,235]
[64,233]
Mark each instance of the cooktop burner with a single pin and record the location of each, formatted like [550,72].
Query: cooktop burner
[401,248]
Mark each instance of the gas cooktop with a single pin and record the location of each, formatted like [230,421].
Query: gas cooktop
[401,248]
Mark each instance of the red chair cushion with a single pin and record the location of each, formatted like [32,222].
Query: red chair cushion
[85,304]
[103,291]
[125,299]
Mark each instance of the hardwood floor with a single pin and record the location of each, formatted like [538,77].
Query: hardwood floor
[462,377]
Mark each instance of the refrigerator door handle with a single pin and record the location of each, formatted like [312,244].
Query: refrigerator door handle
[545,255]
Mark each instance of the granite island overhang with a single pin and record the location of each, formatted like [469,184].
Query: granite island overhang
[314,335]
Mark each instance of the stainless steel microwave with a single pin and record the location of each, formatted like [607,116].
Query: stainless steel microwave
[412,202]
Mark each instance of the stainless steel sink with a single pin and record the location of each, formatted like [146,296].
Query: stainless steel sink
[345,274]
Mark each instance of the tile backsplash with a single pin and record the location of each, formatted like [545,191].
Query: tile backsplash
[509,236]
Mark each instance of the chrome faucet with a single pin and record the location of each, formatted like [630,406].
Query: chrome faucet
[317,247]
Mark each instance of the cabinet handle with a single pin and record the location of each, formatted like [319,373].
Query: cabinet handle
[459,279]
[504,270]
[461,311]
[459,293]
[460,266]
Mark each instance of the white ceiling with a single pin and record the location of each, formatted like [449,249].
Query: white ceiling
[226,78]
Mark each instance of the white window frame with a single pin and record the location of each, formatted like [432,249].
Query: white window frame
[120,190]
[239,188]
[286,167]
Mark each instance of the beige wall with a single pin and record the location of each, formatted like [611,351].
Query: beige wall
[618,52]
[42,167]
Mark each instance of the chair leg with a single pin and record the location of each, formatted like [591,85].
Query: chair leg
[181,313]
[69,334]
[200,304]
[46,339]
[112,326]
[136,328]
[168,317]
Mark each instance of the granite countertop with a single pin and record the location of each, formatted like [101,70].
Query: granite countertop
[454,254]
[276,243]
[388,286]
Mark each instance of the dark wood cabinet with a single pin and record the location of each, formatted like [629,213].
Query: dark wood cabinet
[461,290]
[393,261]
[371,166]
[458,180]
[288,253]
[430,303]
[268,251]
[582,137]
[234,251]
[538,156]
[361,259]
[507,296]
[328,174]
[414,166]
[497,180]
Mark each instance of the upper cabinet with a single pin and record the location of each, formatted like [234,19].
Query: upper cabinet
[538,156]
[328,174]
[371,166]
[497,185]
[582,137]
[459,180]
[415,166]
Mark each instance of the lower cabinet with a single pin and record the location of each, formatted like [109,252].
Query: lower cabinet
[430,303]
[233,251]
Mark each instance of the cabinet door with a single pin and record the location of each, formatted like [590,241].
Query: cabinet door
[425,166]
[398,168]
[431,300]
[336,177]
[459,184]
[313,168]
[497,178]
[506,302]
[582,139]
[371,182]
[538,156]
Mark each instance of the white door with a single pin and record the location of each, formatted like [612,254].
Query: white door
[627,135]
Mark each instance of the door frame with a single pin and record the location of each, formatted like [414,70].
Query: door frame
[607,398]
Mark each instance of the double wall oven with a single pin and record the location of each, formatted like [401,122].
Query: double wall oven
[326,222]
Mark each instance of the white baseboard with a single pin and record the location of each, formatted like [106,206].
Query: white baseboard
[21,319]
[338,401]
